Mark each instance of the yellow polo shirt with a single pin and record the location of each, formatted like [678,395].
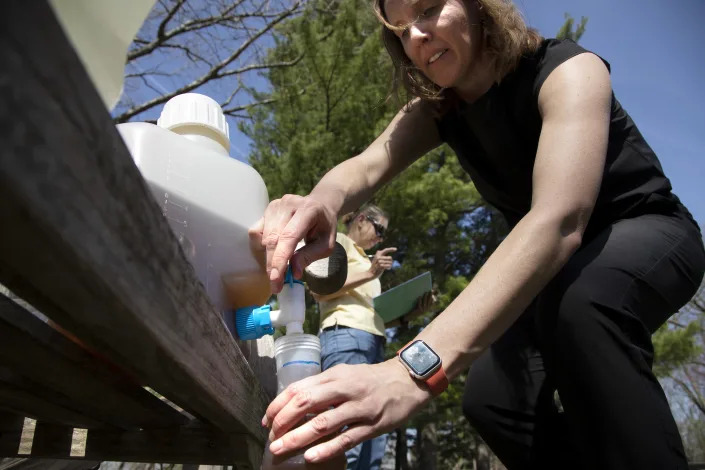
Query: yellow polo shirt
[354,308]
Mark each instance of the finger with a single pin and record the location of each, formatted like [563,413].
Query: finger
[255,232]
[287,394]
[419,302]
[271,228]
[339,444]
[315,429]
[294,223]
[305,402]
[308,221]
[290,393]
[426,305]
[384,251]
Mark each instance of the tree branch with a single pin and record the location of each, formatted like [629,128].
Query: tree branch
[191,25]
[167,18]
[214,72]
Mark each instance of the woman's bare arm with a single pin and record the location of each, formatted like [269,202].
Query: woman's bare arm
[411,134]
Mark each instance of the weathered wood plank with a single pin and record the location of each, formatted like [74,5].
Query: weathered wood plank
[48,464]
[52,440]
[191,444]
[84,242]
[10,432]
[187,444]
[66,374]
[21,399]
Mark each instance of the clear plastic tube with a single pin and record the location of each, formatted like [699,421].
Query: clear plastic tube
[297,356]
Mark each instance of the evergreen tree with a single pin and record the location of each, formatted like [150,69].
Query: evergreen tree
[567,31]
[679,361]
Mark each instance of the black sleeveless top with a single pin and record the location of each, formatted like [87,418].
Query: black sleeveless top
[496,139]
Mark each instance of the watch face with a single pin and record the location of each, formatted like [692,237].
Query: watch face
[420,358]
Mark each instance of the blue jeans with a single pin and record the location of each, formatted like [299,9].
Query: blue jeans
[353,346]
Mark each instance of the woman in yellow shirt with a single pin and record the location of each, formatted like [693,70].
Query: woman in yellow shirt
[351,330]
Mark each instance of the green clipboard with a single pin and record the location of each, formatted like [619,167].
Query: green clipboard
[402,299]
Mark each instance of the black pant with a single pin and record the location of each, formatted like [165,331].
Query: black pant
[588,336]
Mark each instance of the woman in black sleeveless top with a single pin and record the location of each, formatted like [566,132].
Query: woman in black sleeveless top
[600,254]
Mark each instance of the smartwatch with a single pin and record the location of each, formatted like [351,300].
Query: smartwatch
[424,364]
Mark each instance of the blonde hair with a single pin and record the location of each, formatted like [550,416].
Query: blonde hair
[367,210]
[506,38]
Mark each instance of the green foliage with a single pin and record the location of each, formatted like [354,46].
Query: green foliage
[675,346]
[679,349]
[567,32]
[328,107]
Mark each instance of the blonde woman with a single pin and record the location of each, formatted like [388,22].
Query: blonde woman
[600,252]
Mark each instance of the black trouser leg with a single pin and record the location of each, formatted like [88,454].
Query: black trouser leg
[588,336]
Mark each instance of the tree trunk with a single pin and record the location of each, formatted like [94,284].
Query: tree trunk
[428,446]
[400,460]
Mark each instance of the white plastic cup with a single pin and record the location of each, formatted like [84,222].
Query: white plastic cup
[297,356]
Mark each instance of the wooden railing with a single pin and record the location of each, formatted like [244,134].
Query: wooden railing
[82,241]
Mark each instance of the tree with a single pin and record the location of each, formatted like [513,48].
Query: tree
[566,31]
[184,46]
[679,347]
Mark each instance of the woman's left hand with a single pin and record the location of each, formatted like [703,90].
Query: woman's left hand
[425,302]
[369,399]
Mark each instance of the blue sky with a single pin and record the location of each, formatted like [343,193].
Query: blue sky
[657,53]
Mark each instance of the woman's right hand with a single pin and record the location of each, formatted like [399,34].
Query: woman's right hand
[382,262]
[285,223]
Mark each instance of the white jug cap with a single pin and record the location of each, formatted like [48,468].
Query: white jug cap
[194,109]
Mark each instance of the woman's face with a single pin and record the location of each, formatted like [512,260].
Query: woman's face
[371,230]
[442,38]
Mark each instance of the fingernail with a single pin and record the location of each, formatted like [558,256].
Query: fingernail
[271,436]
[275,446]
[311,455]
[274,274]
[264,421]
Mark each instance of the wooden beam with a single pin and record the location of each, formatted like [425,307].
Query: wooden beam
[48,464]
[63,373]
[52,440]
[187,444]
[10,432]
[84,242]
[22,400]
[190,444]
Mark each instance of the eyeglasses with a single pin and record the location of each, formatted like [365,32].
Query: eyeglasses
[379,228]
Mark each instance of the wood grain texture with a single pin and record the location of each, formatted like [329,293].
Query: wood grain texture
[83,241]
[10,432]
[61,372]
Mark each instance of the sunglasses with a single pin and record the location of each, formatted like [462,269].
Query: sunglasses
[379,228]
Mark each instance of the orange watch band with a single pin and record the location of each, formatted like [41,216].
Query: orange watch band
[438,382]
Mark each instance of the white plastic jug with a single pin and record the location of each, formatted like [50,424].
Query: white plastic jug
[209,199]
